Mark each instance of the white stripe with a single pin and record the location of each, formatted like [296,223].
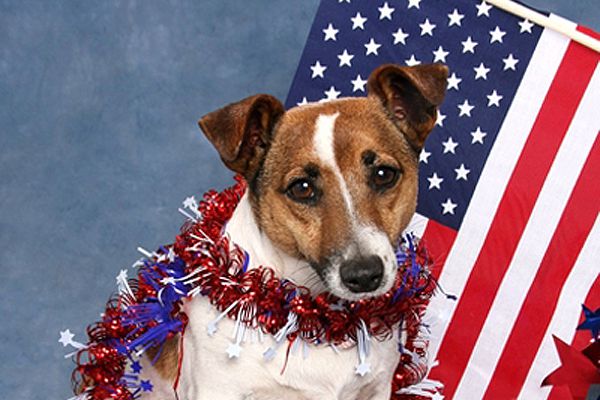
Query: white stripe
[566,316]
[533,244]
[495,176]
[417,225]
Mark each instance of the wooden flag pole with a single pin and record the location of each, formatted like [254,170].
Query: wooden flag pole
[545,21]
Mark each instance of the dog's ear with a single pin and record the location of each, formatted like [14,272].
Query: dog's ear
[241,132]
[411,96]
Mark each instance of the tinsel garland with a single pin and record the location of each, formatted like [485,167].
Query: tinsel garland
[147,311]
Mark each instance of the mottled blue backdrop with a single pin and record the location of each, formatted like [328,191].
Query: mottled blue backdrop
[99,145]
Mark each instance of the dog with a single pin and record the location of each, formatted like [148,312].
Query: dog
[331,187]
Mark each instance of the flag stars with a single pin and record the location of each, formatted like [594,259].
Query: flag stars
[427,27]
[412,61]
[372,47]
[440,118]
[435,181]
[345,58]
[455,18]
[469,46]
[318,70]
[454,81]
[330,33]
[358,84]
[450,145]
[414,4]
[478,136]
[448,207]
[385,12]
[358,22]
[400,36]
[332,93]
[424,156]
[440,54]
[483,9]
[481,72]
[510,62]
[494,99]
[526,26]
[496,35]
[465,109]
[462,172]
[302,102]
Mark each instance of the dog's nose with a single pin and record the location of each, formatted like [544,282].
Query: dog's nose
[362,274]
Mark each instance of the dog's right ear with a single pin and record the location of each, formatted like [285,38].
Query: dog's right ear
[241,132]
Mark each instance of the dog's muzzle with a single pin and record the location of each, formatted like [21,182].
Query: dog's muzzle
[363,274]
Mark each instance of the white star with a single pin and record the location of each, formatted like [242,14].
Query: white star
[330,33]
[412,61]
[332,94]
[345,58]
[437,396]
[427,28]
[453,81]
[478,136]
[526,26]
[190,202]
[414,3]
[497,35]
[494,99]
[302,102]
[510,62]
[122,277]
[342,1]
[400,36]
[440,118]
[363,369]
[483,9]
[372,47]
[469,45]
[358,84]
[440,54]
[386,11]
[435,181]
[448,207]
[465,109]
[66,337]
[481,71]
[234,350]
[455,18]
[462,172]
[449,145]
[358,22]
[424,156]
[317,70]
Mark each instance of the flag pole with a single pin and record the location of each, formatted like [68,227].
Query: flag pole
[545,21]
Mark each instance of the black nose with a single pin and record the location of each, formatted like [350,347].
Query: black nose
[362,274]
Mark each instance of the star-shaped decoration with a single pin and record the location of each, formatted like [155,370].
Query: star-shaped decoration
[453,81]
[450,145]
[345,58]
[318,70]
[414,3]
[437,396]
[440,118]
[302,102]
[358,22]
[234,350]
[591,322]
[510,62]
[481,71]
[424,156]
[440,54]
[478,136]
[211,328]
[332,93]
[412,61]
[435,181]
[385,12]
[122,277]
[496,35]
[526,26]
[330,33]
[483,9]
[469,46]
[494,99]
[372,47]
[146,386]
[191,203]
[455,18]
[427,27]
[400,36]
[136,367]
[465,109]
[66,338]
[358,84]
[448,207]
[363,368]
[462,172]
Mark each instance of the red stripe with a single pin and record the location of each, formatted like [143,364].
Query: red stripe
[438,240]
[536,313]
[582,338]
[511,216]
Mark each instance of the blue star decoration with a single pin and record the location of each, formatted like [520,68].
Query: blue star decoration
[591,322]
[146,386]
[136,367]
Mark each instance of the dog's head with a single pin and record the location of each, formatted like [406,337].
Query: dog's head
[335,183]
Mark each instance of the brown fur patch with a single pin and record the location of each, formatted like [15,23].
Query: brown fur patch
[167,362]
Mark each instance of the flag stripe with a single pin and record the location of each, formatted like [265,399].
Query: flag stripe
[495,175]
[513,212]
[566,315]
[439,240]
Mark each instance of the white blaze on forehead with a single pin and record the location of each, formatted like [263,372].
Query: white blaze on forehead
[323,141]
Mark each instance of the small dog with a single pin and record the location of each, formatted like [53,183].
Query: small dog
[331,187]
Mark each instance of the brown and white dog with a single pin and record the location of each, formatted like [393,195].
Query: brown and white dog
[331,187]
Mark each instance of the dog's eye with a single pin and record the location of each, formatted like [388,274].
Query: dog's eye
[302,190]
[383,177]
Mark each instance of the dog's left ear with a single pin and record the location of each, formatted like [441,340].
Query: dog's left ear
[241,132]
[411,96]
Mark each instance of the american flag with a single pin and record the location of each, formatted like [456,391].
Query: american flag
[509,189]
